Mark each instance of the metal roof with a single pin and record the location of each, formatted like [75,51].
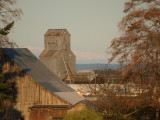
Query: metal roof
[41,74]
[54,53]
[49,53]
[72,97]
[36,69]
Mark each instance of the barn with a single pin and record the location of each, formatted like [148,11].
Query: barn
[40,94]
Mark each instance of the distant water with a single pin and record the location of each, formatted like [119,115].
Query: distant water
[95,66]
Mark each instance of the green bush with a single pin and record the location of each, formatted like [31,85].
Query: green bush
[85,114]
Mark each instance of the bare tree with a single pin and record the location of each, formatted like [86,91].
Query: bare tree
[8,15]
[138,50]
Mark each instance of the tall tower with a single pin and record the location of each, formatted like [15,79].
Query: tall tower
[57,54]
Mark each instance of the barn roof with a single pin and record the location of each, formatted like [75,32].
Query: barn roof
[40,73]
[72,97]
[49,53]
[56,32]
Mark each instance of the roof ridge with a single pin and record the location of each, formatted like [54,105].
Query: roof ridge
[55,32]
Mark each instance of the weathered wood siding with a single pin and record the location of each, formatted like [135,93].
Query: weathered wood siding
[29,92]
[52,57]
[47,113]
[79,106]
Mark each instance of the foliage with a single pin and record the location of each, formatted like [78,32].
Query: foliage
[139,45]
[85,114]
[4,40]
[8,15]
[5,94]
[116,117]
[112,76]
[5,30]
[126,107]
[145,113]
[137,50]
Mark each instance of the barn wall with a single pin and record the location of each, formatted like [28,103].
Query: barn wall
[79,106]
[46,113]
[29,92]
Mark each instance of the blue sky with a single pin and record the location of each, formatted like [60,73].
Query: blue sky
[91,23]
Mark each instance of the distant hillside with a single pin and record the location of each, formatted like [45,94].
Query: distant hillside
[95,66]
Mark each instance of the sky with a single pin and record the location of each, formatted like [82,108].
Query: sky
[91,23]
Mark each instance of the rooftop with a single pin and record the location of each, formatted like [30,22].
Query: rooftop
[56,32]
[41,74]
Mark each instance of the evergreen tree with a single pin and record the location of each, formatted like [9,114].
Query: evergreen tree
[5,87]
[6,29]
[8,14]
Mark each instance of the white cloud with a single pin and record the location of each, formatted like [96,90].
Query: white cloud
[89,56]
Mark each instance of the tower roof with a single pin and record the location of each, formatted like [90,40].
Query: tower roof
[56,32]
[54,53]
